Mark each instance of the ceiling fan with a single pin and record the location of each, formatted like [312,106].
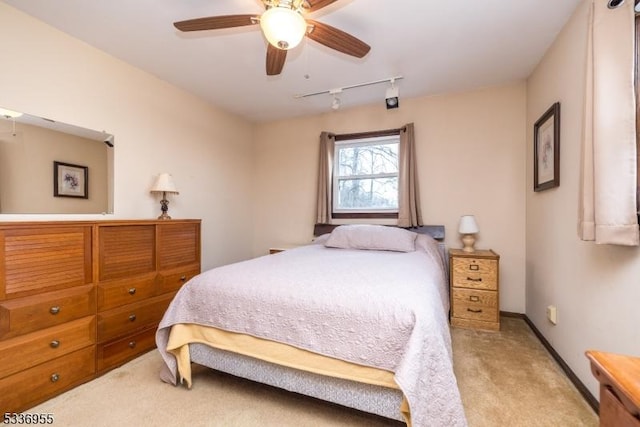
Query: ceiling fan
[284,25]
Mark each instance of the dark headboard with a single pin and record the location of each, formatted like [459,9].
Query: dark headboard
[435,231]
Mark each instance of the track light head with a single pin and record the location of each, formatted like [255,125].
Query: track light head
[391,98]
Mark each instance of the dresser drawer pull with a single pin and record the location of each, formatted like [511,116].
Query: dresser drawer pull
[474,311]
[55,378]
[183,278]
[54,344]
[132,291]
[132,318]
[474,280]
[54,310]
[474,298]
[132,344]
[474,267]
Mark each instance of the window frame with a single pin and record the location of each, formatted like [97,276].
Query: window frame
[351,139]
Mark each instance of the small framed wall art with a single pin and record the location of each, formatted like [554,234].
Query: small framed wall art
[70,180]
[546,150]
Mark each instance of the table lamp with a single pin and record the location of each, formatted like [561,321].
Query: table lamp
[164,184]
[468,228]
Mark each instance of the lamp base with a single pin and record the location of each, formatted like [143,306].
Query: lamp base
[468,241]
[164,207]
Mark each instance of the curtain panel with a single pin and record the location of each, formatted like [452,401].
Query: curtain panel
[325,178]
[609,164]
[409,214]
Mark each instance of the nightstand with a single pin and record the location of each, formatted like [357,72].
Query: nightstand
[282,248]
[474,289]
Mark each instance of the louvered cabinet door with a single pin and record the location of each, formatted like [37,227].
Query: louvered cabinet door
[178,254]
[47,310]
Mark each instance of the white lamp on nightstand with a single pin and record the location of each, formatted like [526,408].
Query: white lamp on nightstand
[468,228]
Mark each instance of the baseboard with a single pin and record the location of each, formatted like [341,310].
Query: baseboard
[584,391]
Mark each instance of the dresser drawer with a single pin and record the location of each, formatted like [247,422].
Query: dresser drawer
[27,388]
[117,352]
[170,281]
[475,273]
[130,318]
[37,347]
[116,293]
[24,315]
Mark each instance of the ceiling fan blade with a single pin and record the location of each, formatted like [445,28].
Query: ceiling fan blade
[275,60]
[313,5]
[216,22]
[337,39]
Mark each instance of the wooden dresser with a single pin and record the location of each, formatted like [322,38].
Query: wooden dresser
[79,298]
[474,289]
[619,378]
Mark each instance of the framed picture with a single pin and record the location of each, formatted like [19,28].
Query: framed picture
[546,150]
[70,180]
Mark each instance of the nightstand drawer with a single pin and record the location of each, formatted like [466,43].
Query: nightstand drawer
[475,273]
[474,311]
[475,297]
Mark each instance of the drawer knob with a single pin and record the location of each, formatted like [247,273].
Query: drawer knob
[55,378]
[474,298]
[132,318]
[474,311]
[54,344]
[183,278]
[132,291]
[54,310]
[132,344]
[474,280]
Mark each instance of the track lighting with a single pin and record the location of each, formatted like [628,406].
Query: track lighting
[391,97]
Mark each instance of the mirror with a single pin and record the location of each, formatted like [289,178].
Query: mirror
[48,167]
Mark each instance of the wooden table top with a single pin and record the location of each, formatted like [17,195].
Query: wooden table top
[621,373]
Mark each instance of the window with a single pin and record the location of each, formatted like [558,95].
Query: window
[365,176]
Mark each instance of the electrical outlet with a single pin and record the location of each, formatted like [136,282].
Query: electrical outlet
[552,314]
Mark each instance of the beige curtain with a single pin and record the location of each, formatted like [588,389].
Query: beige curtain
[325,178]
[409,214]
[609,165]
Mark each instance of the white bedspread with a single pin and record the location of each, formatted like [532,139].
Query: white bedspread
[376,308]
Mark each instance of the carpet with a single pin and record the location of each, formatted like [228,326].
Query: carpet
[506,378]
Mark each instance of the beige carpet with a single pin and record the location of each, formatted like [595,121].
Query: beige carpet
[505,378]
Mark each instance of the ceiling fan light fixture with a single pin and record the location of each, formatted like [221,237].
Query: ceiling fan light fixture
[283,28]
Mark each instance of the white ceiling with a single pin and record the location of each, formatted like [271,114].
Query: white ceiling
[438,46]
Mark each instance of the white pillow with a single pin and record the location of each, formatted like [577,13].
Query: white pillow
[374,237]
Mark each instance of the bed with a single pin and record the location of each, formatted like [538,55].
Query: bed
[358,318]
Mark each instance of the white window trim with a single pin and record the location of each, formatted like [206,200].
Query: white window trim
[362,142]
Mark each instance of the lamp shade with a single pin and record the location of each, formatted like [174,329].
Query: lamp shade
[468,225]
[164,184]
[284,28]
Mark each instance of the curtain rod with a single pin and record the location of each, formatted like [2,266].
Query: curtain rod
[340,89]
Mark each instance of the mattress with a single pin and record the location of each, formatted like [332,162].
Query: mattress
[385,310]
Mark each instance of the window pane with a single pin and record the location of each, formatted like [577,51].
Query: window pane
[368,159]
[376,193]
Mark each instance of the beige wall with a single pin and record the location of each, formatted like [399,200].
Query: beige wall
[471,158]
[595,288]
[157,128]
